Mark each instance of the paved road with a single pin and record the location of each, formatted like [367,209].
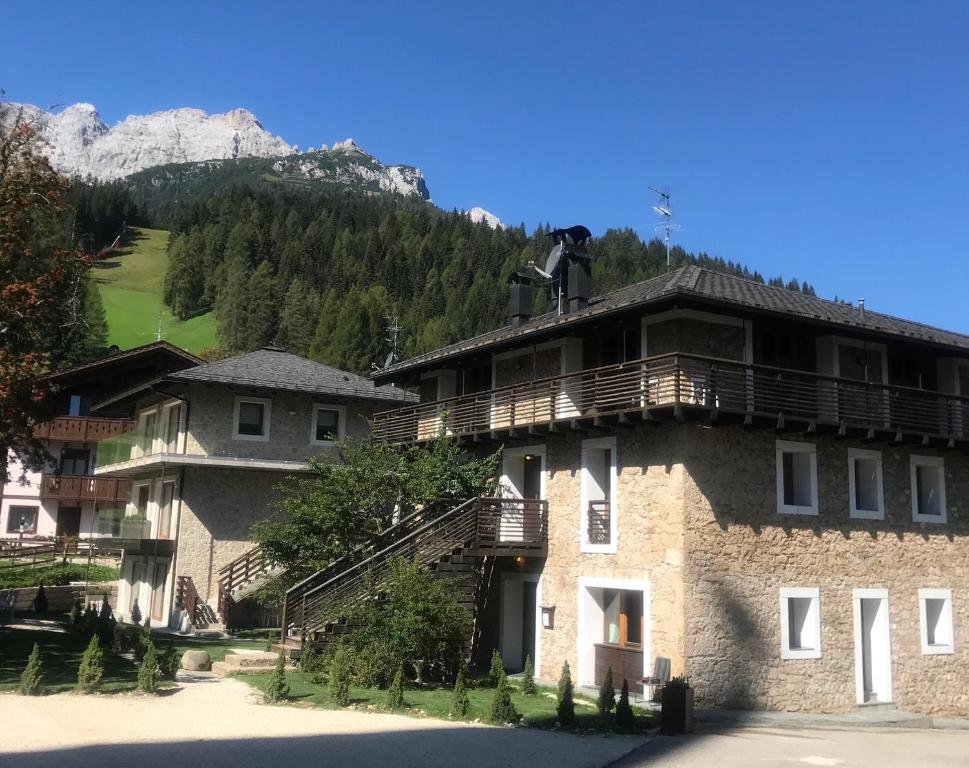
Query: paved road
[770,748]
[220,724]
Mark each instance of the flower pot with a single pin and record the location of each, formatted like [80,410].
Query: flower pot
[676,717]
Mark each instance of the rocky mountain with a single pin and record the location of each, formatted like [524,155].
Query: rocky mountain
[478,214]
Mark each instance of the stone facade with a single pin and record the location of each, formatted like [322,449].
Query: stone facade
[695,337]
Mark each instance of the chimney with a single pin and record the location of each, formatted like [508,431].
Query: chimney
[579,282]
[520,304]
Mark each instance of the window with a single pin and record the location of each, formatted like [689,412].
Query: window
[935,612]
[327,424]
[109,521]
[147,425]
[800,623]
[251,418]
[74,461]
[165,510]
[598,498]
[623,616]
[74,406]
[867,498]
[158,590]
[137,577]
[928,489]
[173,422]
[22,519]
[797,478]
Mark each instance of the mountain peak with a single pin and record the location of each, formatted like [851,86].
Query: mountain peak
[479,215]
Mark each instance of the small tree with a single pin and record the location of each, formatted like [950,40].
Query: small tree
[77,612]
[497,669]
[106,623]
[171,660]
[607,695]
[528,677]
[566,705]
[502,710]
[313,664]
[119,639]
[30,677]
[91,670]
[395,693]
[135,613]
[624,713]
[143,641]
[149,675]
[460,703]
[277,688]
[270,639]
[340,677]
[89,624]
[40,600]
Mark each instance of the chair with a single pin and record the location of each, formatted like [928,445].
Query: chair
[659,678]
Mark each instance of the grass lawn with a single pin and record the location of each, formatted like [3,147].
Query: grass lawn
[131,281]
[56,574]
[537,711]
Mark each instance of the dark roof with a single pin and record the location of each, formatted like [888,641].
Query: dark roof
[160,349]
[271,368]
[706,286]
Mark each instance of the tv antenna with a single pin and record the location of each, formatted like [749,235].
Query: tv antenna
[158,333]
[393,338]
[665,210]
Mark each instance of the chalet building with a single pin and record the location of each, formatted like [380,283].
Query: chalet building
[204,461]
[64,498]
[769,489]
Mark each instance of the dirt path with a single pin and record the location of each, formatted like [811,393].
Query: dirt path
[213,723]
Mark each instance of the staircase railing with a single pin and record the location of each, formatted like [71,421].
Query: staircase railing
[187,598]
[240,571]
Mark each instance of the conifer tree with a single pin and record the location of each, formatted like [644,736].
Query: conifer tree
[149,674]
[278,689]
[566,702]
[460,703]
[496,670]
[528,677]
[395,693]
[40,600]
[502,709]
[340,677]
[607,695]
[262,311]
[135,613]
[32,674]
[91,669]
[624,712]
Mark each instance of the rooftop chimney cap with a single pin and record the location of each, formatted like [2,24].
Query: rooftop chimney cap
[520,278]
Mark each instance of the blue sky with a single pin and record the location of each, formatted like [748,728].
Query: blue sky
[829,140]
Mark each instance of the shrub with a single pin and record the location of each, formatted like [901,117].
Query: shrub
[40,600]
[566,705]
[135,613]
[312,663]
[142,642]
[171,661]
[502,710]
[119,639]
[270,639]
[528,677]
[91,669]
[106,623]
[340,677]
[679,682]
[30,677]
[607,695]
[149,675]
[77,612]
[395,694]
[278,689]
[89,624]
[497,669]
[624,713]
[460,703]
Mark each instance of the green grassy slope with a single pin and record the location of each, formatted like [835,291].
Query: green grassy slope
[131,290]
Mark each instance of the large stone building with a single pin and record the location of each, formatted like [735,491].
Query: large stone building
[209,450]
[769,489]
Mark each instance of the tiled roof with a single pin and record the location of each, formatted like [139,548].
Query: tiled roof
[271,368]
[704,285]
[130,354]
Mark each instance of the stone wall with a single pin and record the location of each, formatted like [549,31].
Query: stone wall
[696,337]
[740,552]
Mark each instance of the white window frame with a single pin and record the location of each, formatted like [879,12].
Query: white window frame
[180,429]
[813,594]
[266,418]
[141,435]
[786,446]
[340,426]
[865,514]
[599,443]
[936,594]
[927,461]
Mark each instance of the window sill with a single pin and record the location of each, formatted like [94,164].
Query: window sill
[794,511]
[935,519]
[251,438]
[597,549]
[790,654]
[866,514]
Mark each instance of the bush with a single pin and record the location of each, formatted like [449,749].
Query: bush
[497,669]
[340,673]
[278,689]
[135,613]
[91,670]
[40,600]
[502,710]
[89,623]
[460,703]
[270,639]
[77,612]
[149,675]
[170,661]
[528,677]
[56,575]
[312,663]
[566,705]
[119,639]
[395,694]
[624,713]
[32,674]
[607,695]
[142,642]
[106,623]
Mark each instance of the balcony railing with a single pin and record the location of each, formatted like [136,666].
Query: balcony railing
[129,446]
[84,488]
[599,528]
[81,429]
[675,383]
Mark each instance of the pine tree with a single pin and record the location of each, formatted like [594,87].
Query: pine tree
[231,306]
[262,310]
[40,600]
[32,674]
[607,695]
[460,703]
[90,621]
[528,677]
[496,670]
[624,713]
[502,710]
[97,322]
[566,703]
[135,613]
[149,675]
[91,669]
[395,693]
[340,677]
[278,689]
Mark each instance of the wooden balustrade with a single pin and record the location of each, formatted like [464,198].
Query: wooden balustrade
[84,488]
[240,571]
[187,597]
[81,429]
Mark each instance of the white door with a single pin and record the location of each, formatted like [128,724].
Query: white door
[873,650]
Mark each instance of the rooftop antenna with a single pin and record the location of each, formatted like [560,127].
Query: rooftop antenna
[665,210]
[158,332]
[393,338]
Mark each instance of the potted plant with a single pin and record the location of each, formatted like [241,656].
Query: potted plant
[676,717]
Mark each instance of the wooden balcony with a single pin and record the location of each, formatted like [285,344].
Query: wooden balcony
[84,488]
[81,429]
[679,386]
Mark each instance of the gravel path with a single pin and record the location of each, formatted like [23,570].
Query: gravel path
[211,722]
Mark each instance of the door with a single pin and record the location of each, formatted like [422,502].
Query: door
[532,489]
[873,649]
[862,403]
[158,591]
[522,480]
[165,510]
[518,611]
[68,522]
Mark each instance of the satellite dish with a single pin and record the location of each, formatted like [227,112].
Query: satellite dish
[554,259]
